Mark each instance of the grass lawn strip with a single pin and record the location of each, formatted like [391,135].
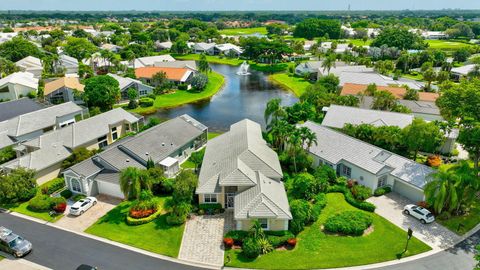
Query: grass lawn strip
[22,208]
[181,97]
[156,236]
[446,45]
[462,224]
[295,84]
[210,58]
[316,249]
[243,31]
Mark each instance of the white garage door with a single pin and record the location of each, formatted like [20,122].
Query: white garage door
[408,191]
[109,189]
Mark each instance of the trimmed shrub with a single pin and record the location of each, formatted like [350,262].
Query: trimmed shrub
[320,201]
[146,102]
[302,215]
[53,186]
[209,208]
[67,193]
[350,199]
[251,248]
[182,86]
[237,236]
[228,242]
[382,191]
[60,208]
[78,197]
[292,242]
[179,213]
[349,223]
[40,203]
[278,239]
[360,192]
[139,221]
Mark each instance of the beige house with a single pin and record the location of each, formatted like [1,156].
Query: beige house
[46,153]
[242,174]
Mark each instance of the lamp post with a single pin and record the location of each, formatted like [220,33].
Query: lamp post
[409,236]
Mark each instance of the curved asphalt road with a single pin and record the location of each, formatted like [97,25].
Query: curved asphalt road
[58,249]
[459,257]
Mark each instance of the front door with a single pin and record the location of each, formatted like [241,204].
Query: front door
[230,200]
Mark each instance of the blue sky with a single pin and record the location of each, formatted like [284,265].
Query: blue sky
[184,5]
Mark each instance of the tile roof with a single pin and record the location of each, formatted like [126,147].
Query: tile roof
[335,147]
[68,82]
[21,78]
[337,116]
[174,74]
[398,92]
[150,60]
[124,82]
[10,109]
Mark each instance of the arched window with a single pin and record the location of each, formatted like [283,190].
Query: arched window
[75,185]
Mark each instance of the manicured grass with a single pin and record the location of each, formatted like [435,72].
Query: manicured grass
[180,97]
[156,236]
[468,221]
[447,45]
[315,249]
[22,208]
[188,164]
[243,31]
[293,83]
[210,58]
[281,67]
[357,42]
[212,135]
[417,77]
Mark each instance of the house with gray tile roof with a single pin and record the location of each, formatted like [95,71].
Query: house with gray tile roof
[126,83]
[369,165]
[46,153]
[167,145]
[241,173]
[30,125]
[337,116]
[13,108]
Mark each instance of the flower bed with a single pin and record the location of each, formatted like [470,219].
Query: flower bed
[139,221]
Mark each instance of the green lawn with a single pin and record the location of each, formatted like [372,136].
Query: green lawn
[22,208]
[210,58]
[243,31]
[212,135]
[316,249]
[417,77]
[467,222]
[180,97]
[280,67]
[357,42]
[156,236]
[447,45]
[295,84]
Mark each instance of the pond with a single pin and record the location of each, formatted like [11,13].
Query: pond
[242,97]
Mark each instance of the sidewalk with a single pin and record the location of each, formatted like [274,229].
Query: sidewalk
[20,264]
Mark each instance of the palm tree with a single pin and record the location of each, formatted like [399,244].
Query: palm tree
[328,62]
[280,130]
[273,112]
[294,144]
[130,57]
[308,137]
[441,192]
[133,181]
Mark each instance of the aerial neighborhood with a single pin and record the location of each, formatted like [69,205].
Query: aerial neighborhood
[264,140]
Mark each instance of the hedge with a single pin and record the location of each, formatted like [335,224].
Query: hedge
[349,223]
[351,200]
[139,221]
[209,207]
[67,193]
[52,186]
[237,236]
[44,203]
[146,102]
[278,238]
[382,191]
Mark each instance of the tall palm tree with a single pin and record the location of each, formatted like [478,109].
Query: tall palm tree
[308,137]
[280,130]
[273,112]
[328,62]
[133,181]
[441,192]
[294,144]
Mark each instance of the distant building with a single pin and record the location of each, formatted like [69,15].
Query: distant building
[175,75]
[63,90]
[18,85]
[126,83]
[11,109]
[32,65]
[149,61]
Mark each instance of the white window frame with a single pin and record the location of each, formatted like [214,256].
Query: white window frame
[382,181]
[72,186]
[210,198]
[347,171]
[267,223]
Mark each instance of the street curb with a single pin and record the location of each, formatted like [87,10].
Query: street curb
[124,246]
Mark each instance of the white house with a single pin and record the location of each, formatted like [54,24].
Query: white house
[227,49]
[310,67]
[202,47]
[167,145]
[167,45]
[67,64]
[460,72]
[240,172]
[32,65]
[149,61]
[17,85]
[369,165]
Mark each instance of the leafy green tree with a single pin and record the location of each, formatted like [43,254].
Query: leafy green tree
[184,186]
[79,48]
[101,91]
[161,82]
[429,75]
[276,29]
[461,55]
[133,181]
[460,100]
[273,111]
[311,28]
[469,137]
[7,154]
[422,135]
[7,67]
[371,90]
[197,159]
[203,65]
[399,38]
[199,82]
[330,82]
[18,186]
[132,98]
[383,100]
[19,48]
[441,193]
[78,155]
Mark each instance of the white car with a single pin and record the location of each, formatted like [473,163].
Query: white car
[419,213]
[83,205]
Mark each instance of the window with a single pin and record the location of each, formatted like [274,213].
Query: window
[114,129]
[102,142]
[143,92]
[75,185]
[347,171]
[382,181]
[263,223]
[210,198]
[114,133]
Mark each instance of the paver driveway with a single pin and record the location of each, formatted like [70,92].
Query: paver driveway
[81,223]
[390,206]
[202,240]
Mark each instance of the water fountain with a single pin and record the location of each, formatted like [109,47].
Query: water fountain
[243,70]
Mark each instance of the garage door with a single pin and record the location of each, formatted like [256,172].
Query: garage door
[408,191]
[109,189]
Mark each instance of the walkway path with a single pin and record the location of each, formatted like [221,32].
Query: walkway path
[202,238]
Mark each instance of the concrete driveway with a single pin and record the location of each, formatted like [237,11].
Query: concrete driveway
[390,206]
[81,223]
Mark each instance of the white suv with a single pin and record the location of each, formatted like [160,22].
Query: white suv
[419,213]
[83,205]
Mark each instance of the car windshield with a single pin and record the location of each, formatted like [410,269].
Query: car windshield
[429,215]
[74,208]
[16,242]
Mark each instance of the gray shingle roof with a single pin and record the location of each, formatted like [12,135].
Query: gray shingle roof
[424,107]
[335,146]
[18,107]
[338,116]
[233,157]
[125,81]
